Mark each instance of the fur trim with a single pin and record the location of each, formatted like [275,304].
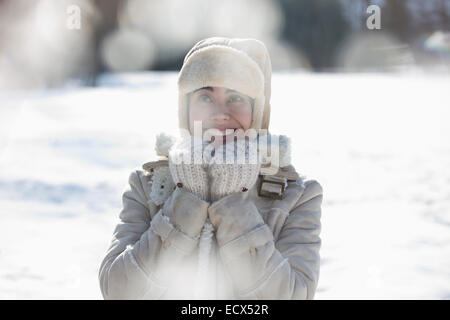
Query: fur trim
[285,150]
[276,145]
[163,144]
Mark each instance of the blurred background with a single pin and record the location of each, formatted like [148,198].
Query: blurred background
[42,45]
[361,87]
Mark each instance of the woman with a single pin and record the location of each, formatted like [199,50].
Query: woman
[193,224]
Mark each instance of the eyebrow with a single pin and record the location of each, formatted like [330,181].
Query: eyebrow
[212,90]
[204,88]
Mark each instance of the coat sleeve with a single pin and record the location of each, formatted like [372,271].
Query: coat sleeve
[259,267]
[143,250]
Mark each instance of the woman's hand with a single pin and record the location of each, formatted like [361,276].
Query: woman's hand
[188,166]
[234,167]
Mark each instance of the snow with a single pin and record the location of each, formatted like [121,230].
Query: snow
[378,144]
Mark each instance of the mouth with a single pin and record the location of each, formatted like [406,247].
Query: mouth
[226,133]
[225,129]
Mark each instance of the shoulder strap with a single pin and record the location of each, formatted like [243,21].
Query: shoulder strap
[149,166]
[288,174]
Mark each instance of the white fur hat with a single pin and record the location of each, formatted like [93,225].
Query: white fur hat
[240,64]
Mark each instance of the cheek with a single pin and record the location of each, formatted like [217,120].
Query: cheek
[196,113]
[245,118]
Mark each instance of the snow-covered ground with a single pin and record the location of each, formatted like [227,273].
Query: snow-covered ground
[378,144]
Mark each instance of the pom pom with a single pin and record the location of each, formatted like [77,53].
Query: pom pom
[163,144]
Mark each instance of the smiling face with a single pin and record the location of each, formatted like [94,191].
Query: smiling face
[220,108]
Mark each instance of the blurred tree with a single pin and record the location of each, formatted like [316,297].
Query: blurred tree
[408,20]
[108,10]
[397,19]
[316,27]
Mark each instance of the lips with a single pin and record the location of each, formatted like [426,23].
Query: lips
[225,128]
[225,134]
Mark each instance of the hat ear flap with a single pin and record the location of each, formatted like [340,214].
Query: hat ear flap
[266,117]
[183,111]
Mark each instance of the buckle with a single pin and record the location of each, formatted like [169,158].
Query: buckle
[272,187]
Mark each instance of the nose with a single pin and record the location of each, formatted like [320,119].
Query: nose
[220,117]
[220,113]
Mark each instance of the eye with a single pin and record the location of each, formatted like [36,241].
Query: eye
[204,98]
[236,98]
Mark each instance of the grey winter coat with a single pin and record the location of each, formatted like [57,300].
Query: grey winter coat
[263,248]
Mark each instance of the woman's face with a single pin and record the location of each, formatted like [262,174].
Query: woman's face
[220,108]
